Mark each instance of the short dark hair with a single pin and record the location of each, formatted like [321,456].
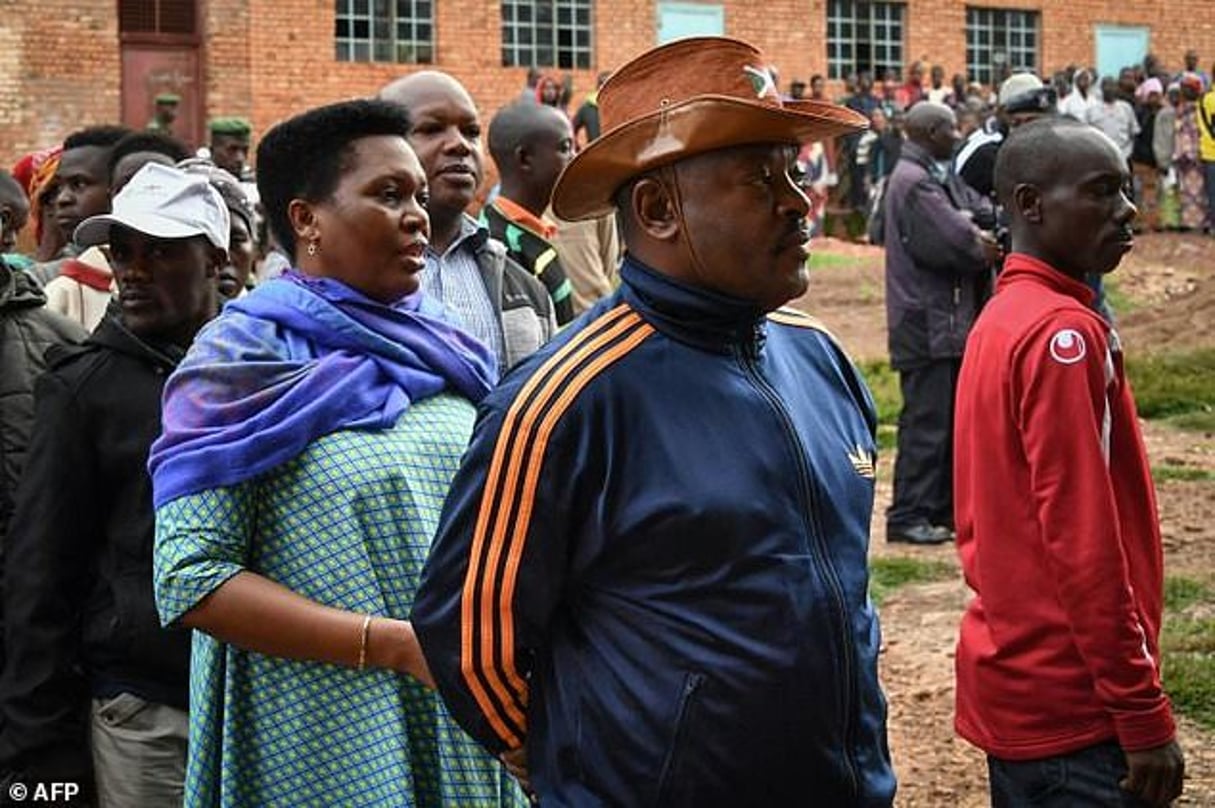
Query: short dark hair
[304,157]
[510,128]
[105,136]
[1032,154]
[155,142]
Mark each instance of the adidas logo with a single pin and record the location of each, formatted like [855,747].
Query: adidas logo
[862,461]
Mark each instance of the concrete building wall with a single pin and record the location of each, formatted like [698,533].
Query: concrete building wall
[60,61]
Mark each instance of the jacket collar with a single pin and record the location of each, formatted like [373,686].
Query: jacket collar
[917,154]
[524,218]
[112,334]
[18,290]
[699,317]
[1019,266]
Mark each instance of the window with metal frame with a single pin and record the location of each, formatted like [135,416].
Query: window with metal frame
[384,31]
[864,36]
[998,39]
[157,17]
[547,33]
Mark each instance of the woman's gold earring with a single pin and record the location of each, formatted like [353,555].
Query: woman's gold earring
[312,248]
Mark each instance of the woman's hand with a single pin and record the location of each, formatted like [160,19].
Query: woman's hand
[392,644]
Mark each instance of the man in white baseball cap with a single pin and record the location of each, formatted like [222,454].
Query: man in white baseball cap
[168,230]
[80,547]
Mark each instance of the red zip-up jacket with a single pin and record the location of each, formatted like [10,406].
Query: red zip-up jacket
[1057,530]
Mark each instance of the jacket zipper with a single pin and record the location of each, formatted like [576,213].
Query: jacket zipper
[690,685]
[747,360]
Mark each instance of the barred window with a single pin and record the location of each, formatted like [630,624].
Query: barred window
[996,38]
[864,36]
[546,33]
[384,31]
[157,17]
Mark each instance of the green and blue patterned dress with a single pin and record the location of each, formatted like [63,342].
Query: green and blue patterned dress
[348,524]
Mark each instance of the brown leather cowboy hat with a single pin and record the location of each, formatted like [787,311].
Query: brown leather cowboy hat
[681,99]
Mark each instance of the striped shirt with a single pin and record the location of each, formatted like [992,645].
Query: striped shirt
[454,278]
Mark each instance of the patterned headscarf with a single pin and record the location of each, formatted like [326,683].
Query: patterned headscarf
[35,171]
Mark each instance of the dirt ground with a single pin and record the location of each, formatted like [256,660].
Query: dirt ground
[1172,280]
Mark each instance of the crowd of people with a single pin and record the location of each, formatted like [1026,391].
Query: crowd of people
[1163,120]
[316,489]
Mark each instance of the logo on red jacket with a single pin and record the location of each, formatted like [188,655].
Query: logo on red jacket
[1067,346]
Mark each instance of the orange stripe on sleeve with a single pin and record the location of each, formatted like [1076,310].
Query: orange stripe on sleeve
[609,326]
[528,498]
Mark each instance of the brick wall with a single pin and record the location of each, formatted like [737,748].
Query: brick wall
[936,29]
[267,59]
[59,70]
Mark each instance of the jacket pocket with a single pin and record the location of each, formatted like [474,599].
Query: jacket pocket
[675,752]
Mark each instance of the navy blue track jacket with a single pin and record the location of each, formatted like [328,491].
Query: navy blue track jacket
[651,568]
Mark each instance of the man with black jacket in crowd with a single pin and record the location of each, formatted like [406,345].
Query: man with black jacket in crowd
[937,263]
[93,688]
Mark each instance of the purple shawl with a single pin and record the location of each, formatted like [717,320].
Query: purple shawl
[296,359]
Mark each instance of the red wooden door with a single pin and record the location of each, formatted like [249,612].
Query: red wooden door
[161,53]
[148,71]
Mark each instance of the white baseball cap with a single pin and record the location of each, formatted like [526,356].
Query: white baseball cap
[1017,85]
[162,202]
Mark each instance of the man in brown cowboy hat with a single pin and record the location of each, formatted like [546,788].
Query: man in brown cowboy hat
[649,580]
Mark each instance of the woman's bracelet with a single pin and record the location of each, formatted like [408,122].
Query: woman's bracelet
[363,642]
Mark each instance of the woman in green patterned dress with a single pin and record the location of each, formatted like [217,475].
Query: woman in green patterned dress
[309,439]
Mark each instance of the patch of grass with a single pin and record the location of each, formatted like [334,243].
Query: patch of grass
[1189,679]
[1203,421]
[1115,298]
[822,260]
[1174,384]
[889,573]
[1188,647]
[1182,593]
[883,382]
[1167,473]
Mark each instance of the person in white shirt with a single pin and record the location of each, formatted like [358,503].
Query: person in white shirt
[1077,103]
[1115,117]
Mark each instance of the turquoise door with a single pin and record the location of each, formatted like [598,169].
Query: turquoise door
[1119,46]
[679,20]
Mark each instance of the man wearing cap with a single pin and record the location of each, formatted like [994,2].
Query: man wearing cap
[229,145]
[164,113]
[82,290]
[650,576]
[1022,97]
[91,680]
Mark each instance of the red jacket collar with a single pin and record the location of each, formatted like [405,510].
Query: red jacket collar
[1020,265]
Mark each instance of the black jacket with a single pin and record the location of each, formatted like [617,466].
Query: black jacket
[78,579]
[935,268]
[536,254]
[27,329]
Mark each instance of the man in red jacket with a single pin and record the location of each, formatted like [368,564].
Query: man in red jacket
[1058,660]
